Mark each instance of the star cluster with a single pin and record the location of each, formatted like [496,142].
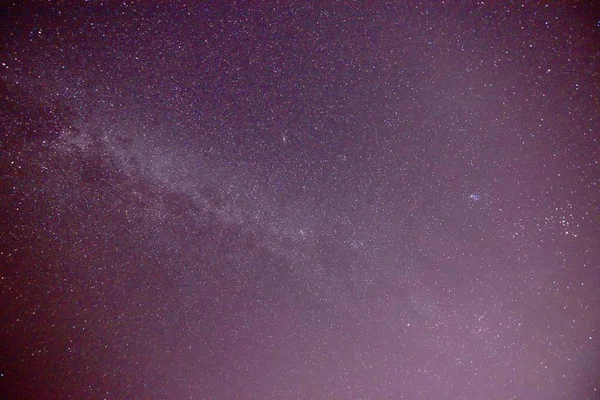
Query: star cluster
[300,200]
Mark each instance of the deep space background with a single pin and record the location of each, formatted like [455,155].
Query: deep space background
[300,200]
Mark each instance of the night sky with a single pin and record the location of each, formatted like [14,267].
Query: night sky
[300,200]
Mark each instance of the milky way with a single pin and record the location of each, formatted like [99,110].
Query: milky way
[300,200]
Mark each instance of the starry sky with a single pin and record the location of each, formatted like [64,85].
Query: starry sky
[300,200]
